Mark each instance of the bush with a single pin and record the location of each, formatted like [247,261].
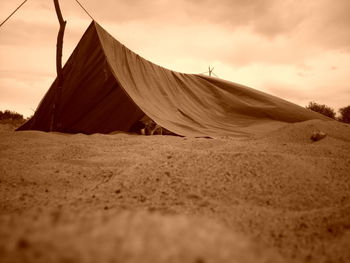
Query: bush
[321,108]
[10,115]
[344,114]
[11,119]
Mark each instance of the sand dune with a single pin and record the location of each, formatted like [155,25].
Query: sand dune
[275,197]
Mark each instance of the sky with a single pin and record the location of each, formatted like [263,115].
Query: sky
[296,50]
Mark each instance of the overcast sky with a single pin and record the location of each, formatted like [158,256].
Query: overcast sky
[296,50]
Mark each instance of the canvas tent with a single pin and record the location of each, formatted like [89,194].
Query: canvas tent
[107,88]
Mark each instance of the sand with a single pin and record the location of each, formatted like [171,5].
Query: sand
[276,197]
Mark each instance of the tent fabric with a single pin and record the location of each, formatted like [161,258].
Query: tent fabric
[107,87]
[92,101]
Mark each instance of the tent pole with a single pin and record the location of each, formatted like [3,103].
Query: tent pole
[55,124]
[211,70]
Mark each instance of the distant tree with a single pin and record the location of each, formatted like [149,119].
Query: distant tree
[321,108]
[344,114]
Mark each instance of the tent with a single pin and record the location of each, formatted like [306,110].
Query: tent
[107,88]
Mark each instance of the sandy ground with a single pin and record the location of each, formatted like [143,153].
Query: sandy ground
[278,197]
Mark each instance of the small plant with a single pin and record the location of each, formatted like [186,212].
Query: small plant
[321,108]
[344,114]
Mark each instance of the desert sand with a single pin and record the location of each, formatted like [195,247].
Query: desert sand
[274,197]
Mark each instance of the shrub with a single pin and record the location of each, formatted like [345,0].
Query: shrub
[344,114]
[321,108]
[11,118]
[10,115]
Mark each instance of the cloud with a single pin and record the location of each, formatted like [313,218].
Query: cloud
[22,92]
[239,32]
[315,80]
[324,21]
[328,25]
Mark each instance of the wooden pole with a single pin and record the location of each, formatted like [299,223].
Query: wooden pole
[210,70]
[55,117]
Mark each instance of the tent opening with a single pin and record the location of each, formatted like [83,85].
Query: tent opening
[147,126]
